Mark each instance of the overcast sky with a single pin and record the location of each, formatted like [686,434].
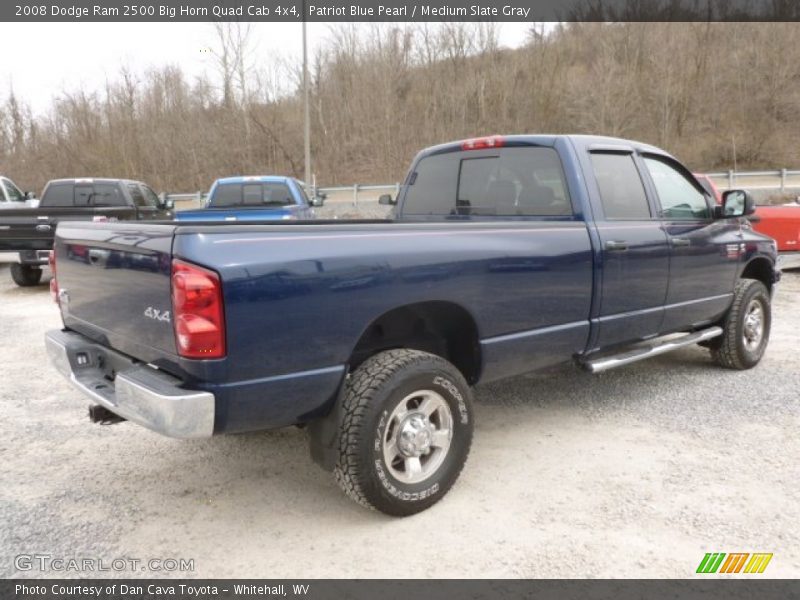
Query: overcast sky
[42,59]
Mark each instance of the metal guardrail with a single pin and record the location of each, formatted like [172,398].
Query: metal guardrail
[198,199]
[357,187]
[757,180]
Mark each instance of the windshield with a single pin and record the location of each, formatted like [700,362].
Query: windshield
[13,191]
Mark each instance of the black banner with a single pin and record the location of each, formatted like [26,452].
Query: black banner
[550,589]
[398,10]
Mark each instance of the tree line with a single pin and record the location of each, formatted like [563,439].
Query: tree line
[717,95]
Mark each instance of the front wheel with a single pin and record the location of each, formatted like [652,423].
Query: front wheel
[405,433]
[25,275]
[746,327]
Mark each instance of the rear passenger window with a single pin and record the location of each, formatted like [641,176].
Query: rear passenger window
[621,189]
[252,194]
[106,194]
[432,186]
[227,194]
[83,195]
[525,181]
[58,194]
[277,194]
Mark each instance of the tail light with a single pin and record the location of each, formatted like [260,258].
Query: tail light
[197,312]
[494,141]
[51,260]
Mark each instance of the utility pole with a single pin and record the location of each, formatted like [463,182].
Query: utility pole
[307,124]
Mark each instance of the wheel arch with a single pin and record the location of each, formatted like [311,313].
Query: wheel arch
[444,328]
[761,269]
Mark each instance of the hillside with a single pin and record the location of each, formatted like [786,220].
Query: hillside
[716,95]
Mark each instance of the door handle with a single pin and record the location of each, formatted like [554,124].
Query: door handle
[616,246]
[676,241]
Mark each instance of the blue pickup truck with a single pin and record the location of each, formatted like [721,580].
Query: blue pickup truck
[503,255]
[258,198]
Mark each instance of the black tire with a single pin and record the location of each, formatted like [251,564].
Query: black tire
[25,275]
[736,348]
[373,394]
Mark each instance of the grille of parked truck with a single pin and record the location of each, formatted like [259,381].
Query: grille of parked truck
[503,255]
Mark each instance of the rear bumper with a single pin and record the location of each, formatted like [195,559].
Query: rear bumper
[138,393]
[26,257]
[789,260]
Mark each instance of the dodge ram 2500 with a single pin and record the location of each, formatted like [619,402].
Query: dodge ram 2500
[503,255]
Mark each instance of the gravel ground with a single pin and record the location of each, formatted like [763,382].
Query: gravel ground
[633,473]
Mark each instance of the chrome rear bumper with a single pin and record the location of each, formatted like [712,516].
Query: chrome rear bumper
[138,393]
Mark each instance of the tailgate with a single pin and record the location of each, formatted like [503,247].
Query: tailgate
[114,285]
[236,214]
[24,229]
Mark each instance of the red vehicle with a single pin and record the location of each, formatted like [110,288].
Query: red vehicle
[781,223]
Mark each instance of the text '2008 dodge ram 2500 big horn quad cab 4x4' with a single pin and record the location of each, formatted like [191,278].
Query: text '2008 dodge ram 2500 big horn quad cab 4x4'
[505,255]
[29,231]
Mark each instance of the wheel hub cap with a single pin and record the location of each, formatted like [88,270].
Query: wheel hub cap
[753,329]
[415,436]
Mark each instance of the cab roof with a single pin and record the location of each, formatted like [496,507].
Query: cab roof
[254,179]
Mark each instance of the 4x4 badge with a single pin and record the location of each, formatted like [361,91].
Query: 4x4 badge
[154,313]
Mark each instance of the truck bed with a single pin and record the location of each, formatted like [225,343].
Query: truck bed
[311,288]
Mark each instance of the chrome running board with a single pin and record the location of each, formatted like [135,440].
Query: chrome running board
[631,356]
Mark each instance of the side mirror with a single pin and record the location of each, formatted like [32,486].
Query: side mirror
[318,200]
[386,200]
[736,203]
[166,202]
[29,196]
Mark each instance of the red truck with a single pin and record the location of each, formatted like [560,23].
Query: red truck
[781,223]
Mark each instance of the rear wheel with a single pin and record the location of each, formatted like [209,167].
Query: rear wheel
[406,431]
[746,327]
[25,275]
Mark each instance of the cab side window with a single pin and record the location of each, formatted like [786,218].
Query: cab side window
[136,194]
[680,199]
[621,189]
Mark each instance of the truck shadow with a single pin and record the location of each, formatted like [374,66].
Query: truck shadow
[255,472]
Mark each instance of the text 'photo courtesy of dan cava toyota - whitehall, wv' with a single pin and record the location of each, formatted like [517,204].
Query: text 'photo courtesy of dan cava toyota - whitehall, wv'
[414,297]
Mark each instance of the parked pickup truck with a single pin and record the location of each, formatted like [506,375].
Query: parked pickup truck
[782,223]
[259,198]
[504,255]
[29,231]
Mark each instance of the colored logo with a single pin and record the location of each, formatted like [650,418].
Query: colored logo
[740,562]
